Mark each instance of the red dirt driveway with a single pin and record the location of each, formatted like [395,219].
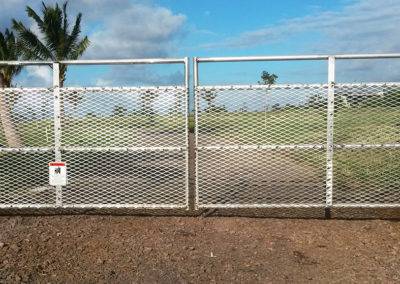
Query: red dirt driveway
[135,249]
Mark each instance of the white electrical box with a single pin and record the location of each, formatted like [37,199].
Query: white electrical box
[58,173]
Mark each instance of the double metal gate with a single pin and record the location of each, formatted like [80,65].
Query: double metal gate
[257,146]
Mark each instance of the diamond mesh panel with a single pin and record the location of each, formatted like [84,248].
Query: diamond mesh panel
[262,116]
[24,178]
[124,117]
[114,140]
[258,177]
[287,127]
[112,178]
[366,176]
[123,146]
[26,117]
[367,114]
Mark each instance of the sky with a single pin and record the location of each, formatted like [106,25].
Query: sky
[122,29]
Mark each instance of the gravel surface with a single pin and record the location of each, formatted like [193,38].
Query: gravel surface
[126,249]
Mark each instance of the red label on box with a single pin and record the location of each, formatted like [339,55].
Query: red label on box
[57,164]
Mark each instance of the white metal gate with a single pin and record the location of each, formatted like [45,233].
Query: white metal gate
[309,145]
[124,147]
[257,146]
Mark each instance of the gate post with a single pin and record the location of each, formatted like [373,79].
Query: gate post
[329,140]
[57,124]
[196,129]
[187,130]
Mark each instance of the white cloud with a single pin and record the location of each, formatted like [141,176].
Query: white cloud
[138,31]
[365,26]
[35,76]
[116,29]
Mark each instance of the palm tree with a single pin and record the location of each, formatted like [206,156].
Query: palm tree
[58,43]
[9,50]
[267,79]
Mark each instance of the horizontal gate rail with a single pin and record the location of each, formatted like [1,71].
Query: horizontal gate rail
[92,206]
[295,57]
[123,149]
[99,62]
[27,149]
[238,147]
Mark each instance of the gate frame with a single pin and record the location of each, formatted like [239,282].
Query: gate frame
[57,148]
[329,133]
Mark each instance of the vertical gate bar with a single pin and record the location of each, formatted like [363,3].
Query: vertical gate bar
[57,124]
[196,129]
[187,128]
[329,140]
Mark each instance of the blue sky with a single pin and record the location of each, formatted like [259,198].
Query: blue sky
[167,28]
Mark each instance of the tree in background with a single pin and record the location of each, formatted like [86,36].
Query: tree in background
[9,50]
[209,96]
[267,79]
[58,42]
[119,111]
[147,99]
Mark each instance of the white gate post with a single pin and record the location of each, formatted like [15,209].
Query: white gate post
[57,124]
[329,140]
[186,67]
[196,129]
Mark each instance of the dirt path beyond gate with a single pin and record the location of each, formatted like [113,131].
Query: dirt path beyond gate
[126,249]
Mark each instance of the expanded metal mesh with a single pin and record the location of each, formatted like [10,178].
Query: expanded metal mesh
[26,140]
[27,117]
[124,147]
[266,146]
[261,177]
[257,146]
[24,178]
[261,145]
[367,144]
[145,178]
[262,115]
[124,117]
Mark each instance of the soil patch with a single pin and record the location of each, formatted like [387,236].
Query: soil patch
[126,249]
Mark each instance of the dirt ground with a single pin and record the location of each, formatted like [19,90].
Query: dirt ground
[137,249]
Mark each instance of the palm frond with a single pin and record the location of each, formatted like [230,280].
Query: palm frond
[80,49]
[9,50]
[65,27]
[3,47]
[53,18]
[57,43]
[31,45]
[31,13]
[72,42]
